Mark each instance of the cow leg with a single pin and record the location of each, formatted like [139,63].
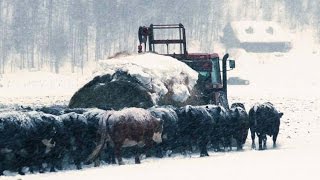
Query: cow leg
[227,143]
[78,165]
[77,158]
[203,147]
[34,168]
[41,169]
[188,145]
[244,136]
[190,149]
[274,138]
[31,169]
[239,144]
[159,151]
[52,169]
[137,159]
[230,143]
[97,162]
[97,159]
[180,145]
[59,165]
[52,166]
[117,152]
[137,155]
[260,136]
[264,138]
[113,157]
[253,136]
[1,165]
[185,145]
[21,172]
[147,148]
[110,154]
[215,143]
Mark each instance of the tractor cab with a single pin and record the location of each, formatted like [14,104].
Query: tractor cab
[211,80]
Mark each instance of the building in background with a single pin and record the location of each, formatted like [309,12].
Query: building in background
[256,36]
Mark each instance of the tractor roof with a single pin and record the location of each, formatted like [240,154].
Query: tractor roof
[202,56]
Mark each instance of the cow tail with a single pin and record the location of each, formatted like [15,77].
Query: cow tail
[103,126]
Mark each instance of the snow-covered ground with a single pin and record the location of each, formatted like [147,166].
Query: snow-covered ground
[290,81]
[39,88]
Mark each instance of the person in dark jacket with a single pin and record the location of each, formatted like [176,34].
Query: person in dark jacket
[143,36]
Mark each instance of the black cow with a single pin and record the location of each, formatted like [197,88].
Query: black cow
[10,133]
[28,139]
[239,124]
[76,128]
[94,116]
[170,125]
[264,120]
[195,125]
[221,134]
[52,133]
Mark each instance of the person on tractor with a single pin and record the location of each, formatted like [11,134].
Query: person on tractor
[143,36]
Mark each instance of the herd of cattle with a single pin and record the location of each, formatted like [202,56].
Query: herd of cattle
[51,137]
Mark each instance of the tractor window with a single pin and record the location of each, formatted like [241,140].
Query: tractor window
[216,78]
[204,77]
[204,74]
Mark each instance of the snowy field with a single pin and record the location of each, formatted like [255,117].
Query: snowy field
[290,81]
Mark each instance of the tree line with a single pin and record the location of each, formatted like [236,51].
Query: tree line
[49,34]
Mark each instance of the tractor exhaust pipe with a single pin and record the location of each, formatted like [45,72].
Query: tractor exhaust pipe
[224,73]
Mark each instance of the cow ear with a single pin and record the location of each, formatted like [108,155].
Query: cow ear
[280,115]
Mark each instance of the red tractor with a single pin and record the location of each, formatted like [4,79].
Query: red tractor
[212,81]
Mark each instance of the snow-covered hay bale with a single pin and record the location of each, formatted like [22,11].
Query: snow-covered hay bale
[137,81]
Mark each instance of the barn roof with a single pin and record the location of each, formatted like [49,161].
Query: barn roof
[259,32]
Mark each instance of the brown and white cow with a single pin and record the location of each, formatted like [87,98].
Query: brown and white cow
[126,128]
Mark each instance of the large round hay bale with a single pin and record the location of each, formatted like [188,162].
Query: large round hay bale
[140,81]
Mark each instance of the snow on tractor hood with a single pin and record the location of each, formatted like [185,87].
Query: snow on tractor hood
[161,75]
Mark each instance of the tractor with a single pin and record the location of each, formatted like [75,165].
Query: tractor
[211,80]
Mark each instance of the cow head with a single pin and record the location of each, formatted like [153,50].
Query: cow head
[49,144]
[158,131]
[234,105]
[280,114]
[234,113]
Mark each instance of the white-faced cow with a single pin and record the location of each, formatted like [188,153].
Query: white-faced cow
[126,128]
